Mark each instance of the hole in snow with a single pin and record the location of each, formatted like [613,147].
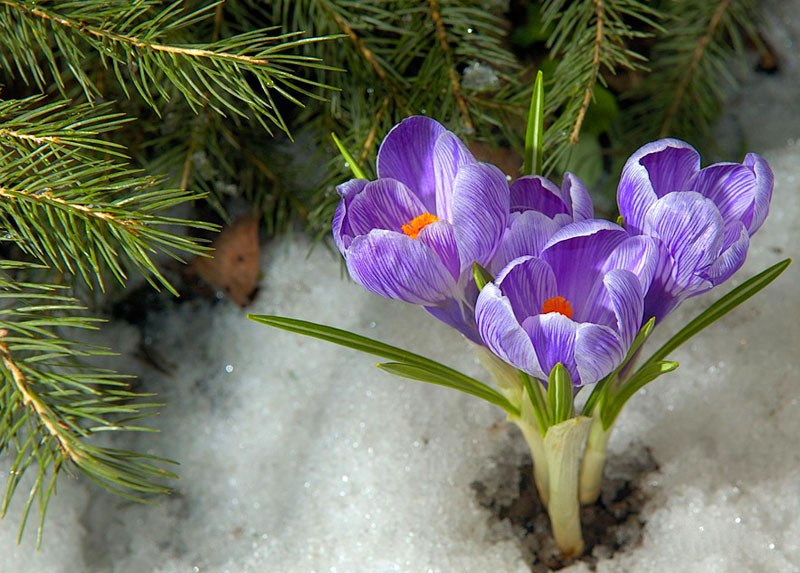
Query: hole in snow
[611,525]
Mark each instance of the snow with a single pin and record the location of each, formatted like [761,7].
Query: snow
[297,456]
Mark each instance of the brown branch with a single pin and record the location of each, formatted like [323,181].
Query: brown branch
[30,399]
[366,53]
[697,56]
[373,132]
[455,83]
[588,91]
[131,40]
[40,140]
[48,197]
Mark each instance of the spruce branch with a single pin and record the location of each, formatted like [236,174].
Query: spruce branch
[143,46]
[404,58]
[694,62]
[452,73]
[704,39]
[73,211]
[52,407]
[589,38]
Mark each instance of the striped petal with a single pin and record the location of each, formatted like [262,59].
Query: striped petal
[598,351]
[449,155]
[577,253]
[654,170]
[396,266]
[627,302]
[691,228]
[581,206]
[730,186]
[340,226]
[383,204]
[553,336]
[527,282]
[737,242]
[527,234]
[441,239]
[501,332]
[480,212]
[539,194]
[406,154]
[762,195]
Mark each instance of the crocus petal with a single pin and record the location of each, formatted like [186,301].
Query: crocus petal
[580,201]
[732,258]
[527,234]
[458,316]
[406,154]
[340,226]
[692,230]
[537,193]
[577,254]
[665,293]
[480,212]
[449,155]
[762,194]
[654,170]
[383,204]
[553,336]
[729,185]
[637,255]
[501,332]
[396,266]
[441,239]
[598,350]
[527,282]
[627,301]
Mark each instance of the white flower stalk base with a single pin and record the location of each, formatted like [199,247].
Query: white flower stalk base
[557,468]
[594,460]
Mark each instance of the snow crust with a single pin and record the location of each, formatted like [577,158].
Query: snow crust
[300,457]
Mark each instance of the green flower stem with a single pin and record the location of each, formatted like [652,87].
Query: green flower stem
[594,460]
[563,445]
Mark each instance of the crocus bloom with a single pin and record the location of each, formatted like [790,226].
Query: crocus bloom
[579,303]
[539,208]
[414,233]
[702,218]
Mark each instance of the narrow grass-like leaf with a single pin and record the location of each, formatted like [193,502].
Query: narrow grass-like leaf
[534,133]
[354,167]
[370,346]
[612,405]
[720,308]
[413,372]
[538,400]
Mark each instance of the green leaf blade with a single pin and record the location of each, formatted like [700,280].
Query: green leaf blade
[720,308]
[534,133]
[559,394]
[418,364]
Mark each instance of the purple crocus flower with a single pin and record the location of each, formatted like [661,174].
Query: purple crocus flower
[539,208]
[414,233]
[579,303]
[702,219]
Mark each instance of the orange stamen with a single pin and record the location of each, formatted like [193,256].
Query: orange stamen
[557,304]
[415,225]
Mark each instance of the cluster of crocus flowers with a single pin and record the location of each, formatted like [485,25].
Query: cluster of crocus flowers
[569,289]
[555,299]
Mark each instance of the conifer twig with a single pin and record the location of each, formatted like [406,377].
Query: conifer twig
[691,68]
[452,73]
[588,90]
